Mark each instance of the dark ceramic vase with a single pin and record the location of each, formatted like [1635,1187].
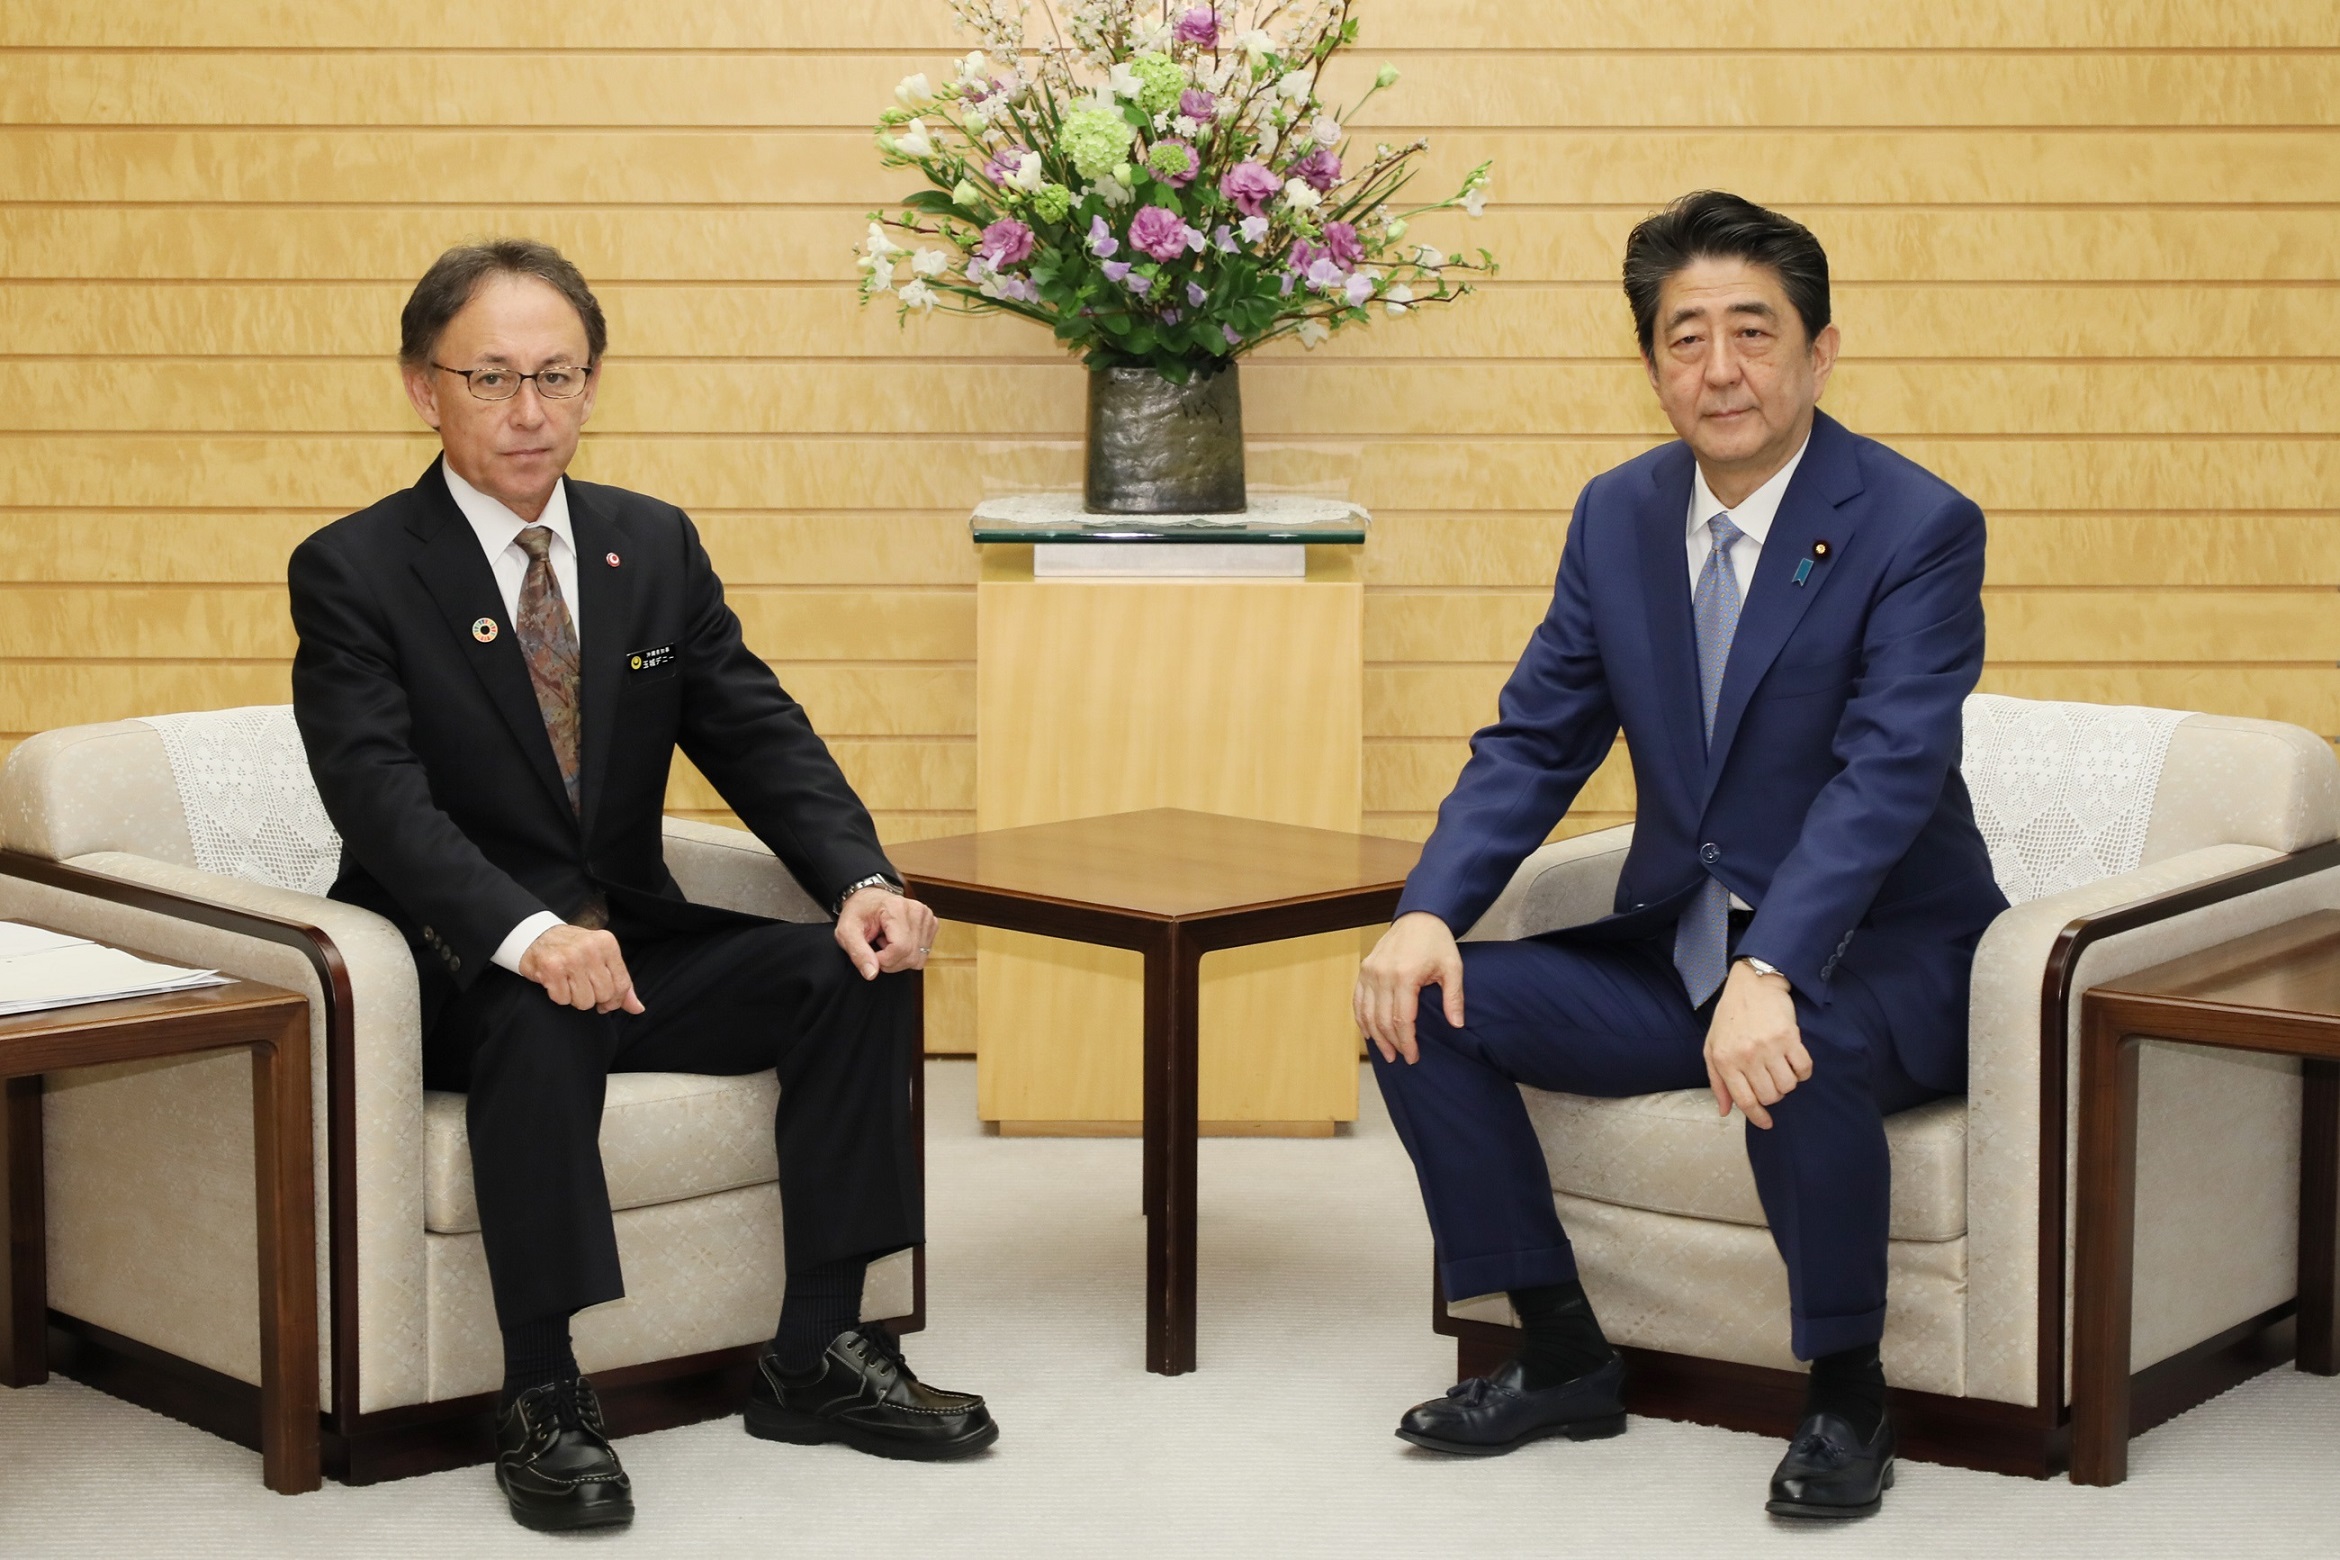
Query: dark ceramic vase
[1158,448]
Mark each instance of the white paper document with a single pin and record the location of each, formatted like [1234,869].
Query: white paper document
[44,969]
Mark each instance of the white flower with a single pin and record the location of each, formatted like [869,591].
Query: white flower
[1257,44]
[915,92]
[973,66]
[1476,203]
[1029,175]
[1312,332]
[1187,128]
[930,262]
[1397,298]
[917,295]
[981,115]
[1253,229]
[1326,131]
[1387,79]
[964,193]
[1111,191]
[1294,85]
[877,246]
[1301,196]
[1429,257]
[913,141]
[1125,82]
[881,278]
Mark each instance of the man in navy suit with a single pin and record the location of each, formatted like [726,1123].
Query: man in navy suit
[1784,619]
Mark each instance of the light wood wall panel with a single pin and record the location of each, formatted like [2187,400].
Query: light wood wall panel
[2087,256]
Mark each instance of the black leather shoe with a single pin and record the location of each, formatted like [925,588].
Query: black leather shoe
[1487,1416]
[1830,1472]
[554,1464]
[864,1394]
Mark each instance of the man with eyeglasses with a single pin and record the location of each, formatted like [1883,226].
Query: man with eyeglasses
[496,667]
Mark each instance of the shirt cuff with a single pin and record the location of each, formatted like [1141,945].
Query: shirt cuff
[516,942]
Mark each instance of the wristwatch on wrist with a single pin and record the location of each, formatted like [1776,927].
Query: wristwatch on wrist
[874,880]
[1761,968]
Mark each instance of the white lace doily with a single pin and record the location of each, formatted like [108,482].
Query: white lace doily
[2063,792]
[252,810]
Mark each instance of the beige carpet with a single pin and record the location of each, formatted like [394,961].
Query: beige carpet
[1314,1336]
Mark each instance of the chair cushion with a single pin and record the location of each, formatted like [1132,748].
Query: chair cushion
[1670,1153]
[664,1137]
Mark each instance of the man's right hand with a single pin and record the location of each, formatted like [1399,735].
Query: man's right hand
[1418,950]
[582,969]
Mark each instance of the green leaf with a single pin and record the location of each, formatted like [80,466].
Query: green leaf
[935,203]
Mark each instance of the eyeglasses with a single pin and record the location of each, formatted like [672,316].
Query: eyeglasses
[557,383]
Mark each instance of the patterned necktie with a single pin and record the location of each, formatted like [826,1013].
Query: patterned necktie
[1702,936]
[548,638]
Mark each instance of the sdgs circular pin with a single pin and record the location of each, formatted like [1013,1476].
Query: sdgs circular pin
[484,631]
[612,559]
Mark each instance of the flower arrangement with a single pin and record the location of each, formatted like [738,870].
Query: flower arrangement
[1161,186]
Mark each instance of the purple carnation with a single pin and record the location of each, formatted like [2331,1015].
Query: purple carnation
[1198,105]
[1320,168]
[1006,242]
[1200,27]
[1160,232]
[1340,242]
[1250,186]
[1004,163]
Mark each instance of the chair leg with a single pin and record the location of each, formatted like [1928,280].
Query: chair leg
[26,1326]
[2105,1272]
[2319,1217]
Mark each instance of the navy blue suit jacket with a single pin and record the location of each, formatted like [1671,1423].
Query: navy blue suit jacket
[1830,797]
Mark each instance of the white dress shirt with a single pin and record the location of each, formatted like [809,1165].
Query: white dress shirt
[498,530]
[1753,517]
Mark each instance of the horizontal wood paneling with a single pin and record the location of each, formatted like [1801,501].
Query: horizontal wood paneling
[825,167]
[2197,241]
[1287,398]
[1579,322]
[1515,88]
[1666,25]
[244,471]
[2086,255]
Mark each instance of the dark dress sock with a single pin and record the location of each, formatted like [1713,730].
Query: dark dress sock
[1560,1339]
[821,1303]
[536,1354]
[1851,1385]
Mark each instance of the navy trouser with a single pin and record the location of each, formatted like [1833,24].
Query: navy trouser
[1612,1021]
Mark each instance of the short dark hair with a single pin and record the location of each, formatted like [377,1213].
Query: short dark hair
[1711,225]
[455,276]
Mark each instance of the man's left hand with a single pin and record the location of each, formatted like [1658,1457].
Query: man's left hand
[882,931]
[1755,1054]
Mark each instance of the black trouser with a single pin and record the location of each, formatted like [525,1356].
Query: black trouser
[768,995]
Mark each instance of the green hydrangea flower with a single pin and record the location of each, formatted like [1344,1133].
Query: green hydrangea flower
[1053,203]
[1095,139]
[1170,160]
[1160,80]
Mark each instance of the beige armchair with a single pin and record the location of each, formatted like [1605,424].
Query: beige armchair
[1658,1199]
[149,1193]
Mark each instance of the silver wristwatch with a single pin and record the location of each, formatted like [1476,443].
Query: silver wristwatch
[874,880]
[1761,968]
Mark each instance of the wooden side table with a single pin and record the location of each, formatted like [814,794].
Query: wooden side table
[2275,991]
[274,1024]
[1174,885]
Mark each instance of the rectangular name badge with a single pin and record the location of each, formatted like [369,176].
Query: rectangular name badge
[650,660]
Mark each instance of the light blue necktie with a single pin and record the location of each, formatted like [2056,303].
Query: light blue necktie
[1702,936]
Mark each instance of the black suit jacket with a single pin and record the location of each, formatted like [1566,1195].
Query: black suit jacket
[432,758]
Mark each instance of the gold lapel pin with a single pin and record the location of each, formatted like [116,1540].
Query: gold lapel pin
[484,631]
[1819,549]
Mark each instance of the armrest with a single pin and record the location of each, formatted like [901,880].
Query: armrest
[733,870]
[1566,883]
[366,1058]
[2030,970]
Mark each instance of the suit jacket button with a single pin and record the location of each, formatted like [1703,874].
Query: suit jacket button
[1710,854]
[455,962]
